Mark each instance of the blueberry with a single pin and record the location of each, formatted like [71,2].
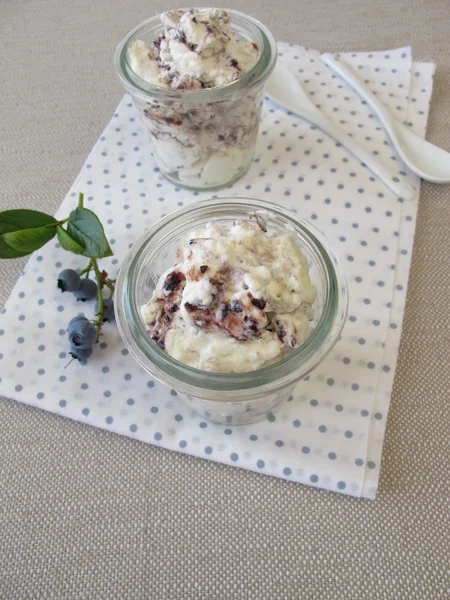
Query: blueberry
[108,310]
[80,353]
[82,334]
[86,291]
[79,317]
[69,280]
[172,281]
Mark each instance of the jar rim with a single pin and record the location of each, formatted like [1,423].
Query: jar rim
[205,383]
[141,88]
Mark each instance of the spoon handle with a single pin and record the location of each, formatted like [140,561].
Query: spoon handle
[347,75]
[401,189]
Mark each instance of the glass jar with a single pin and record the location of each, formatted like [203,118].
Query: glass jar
[236,398]
[203,139]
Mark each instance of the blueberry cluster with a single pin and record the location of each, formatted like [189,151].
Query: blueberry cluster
[83,289]
[83,333]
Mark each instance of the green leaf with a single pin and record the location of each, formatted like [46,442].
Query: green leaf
[67,242]
[29,240]
[14,220]
[8,252]
[85,228]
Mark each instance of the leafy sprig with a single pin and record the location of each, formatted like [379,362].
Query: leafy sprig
[23,231]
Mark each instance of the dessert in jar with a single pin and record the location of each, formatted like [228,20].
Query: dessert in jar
[197,77]
[235,319]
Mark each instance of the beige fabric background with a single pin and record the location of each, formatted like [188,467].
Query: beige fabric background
[88,514]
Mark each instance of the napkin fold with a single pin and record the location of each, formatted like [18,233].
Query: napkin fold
[330,433]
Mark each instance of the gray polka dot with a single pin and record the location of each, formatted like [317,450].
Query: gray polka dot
[359,462]
[332,455]
[133,428]
[378,416]
[306,450]
[322,428]
[348,434]
[260,464]
[330,381]
[234,457]
[339,408]
[109,420]
[287,471]
[296,423]
[371,464]
[341,485]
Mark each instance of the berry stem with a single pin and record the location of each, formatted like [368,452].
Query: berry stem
[80,200]
[86,271]
[98,276]
[111,285]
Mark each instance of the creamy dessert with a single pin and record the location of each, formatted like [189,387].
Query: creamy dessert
[237,299]
[196,51]
[202,142]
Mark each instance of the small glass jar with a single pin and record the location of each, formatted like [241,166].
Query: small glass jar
[203,139]
[236,398]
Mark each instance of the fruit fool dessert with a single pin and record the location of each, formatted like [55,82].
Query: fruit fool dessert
[237,300]
[202,143]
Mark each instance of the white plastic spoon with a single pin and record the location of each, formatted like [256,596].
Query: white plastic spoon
[422,157]
[285,89]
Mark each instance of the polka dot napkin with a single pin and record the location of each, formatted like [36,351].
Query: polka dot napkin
[330,434]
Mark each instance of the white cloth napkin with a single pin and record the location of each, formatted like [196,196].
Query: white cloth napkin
[330,434]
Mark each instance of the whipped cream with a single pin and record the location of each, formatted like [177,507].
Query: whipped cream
[238,299]
[196,51]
